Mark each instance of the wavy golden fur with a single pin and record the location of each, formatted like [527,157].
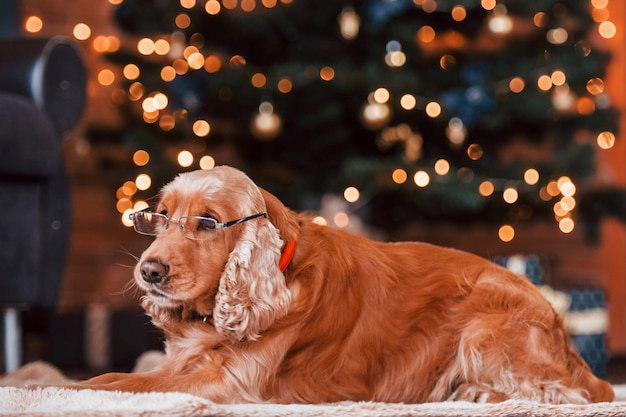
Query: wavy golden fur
[349,319]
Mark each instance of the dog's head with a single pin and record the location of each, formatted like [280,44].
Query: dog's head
[226,268]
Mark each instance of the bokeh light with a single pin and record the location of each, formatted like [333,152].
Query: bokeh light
[506,233]
[81,31]
[351,194]
[399,176]
[33,24]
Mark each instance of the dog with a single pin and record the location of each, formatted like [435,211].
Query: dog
[261,304]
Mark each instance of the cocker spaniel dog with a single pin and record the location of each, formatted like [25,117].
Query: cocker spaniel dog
[260,304]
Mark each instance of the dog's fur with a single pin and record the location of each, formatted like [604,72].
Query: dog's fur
[349,319]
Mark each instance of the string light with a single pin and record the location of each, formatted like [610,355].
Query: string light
[456,131]
[510,195]
[351,194]
[426,34]
[124,204]
[442,167]
[327,73]
[459,13]
[399,176]
[506,233]
[517,84]
[188,4]
[207,162]
[229,4]
[258,80]
[349,23]
[185,159]
[284,85]
[168,73]
[161,47]
[182,21]
[212,64]
[433,109]
[136,91]
[341,219]
[377,112]
[421,179]
[500,23]
[531,176]
[607,29]
[141,157]
[167,122]
[266,124]
[557,36]
[595,86]
[81,31]
[606,140]
[143,182]
[488,4]
[475,152]
[558,78]
[33,24]
[131,71]
[212,7]
[248,5]
[140,205]
[486,188]
[129,188]
[381,95]
[395,57]
[195,60]
[544,82]
[408,102]
[125,218]
[201,128]
[106,77]
[540,19]
[566,225]
[145,46]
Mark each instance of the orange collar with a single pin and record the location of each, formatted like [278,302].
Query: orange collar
[287,254]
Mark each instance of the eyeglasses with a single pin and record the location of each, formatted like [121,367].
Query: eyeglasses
[193,227]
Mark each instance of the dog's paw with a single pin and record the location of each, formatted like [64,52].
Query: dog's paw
[477,394]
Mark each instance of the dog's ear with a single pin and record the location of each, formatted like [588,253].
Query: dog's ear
[285,220]
[252,290]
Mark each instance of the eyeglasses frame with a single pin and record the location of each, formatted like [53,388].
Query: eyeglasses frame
[182,225]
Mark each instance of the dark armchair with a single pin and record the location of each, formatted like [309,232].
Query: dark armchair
[42,97]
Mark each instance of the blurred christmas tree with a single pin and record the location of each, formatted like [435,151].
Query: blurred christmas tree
[451,110]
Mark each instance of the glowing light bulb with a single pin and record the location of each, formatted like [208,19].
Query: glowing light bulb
[266,125]
[349,23]
[399,176]
[506,233]
[421,179]
[185,159]
[201,128]
[141,157]
[531,176]
[442,167]
[351,194]
[143,182]
[33,24]
[81,31]
[486,188]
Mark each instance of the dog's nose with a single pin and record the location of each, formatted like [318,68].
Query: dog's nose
[153,271]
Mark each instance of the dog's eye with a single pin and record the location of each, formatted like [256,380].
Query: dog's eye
[207,223]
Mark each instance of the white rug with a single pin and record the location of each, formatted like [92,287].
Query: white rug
[51,401]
